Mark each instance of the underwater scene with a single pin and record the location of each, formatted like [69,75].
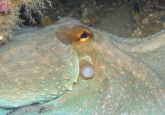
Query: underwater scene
[82,57]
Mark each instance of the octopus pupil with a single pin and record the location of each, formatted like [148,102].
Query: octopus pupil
[84,35]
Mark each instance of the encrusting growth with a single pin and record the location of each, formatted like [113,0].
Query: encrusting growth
[9,14]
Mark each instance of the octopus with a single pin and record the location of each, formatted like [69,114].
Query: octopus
[71,69]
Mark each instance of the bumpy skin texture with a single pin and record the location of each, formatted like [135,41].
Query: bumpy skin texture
[129,73]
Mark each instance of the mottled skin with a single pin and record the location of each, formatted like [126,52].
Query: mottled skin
[129,74]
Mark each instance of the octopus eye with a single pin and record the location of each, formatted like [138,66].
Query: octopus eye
[77,35]
[81,36]
[84,36]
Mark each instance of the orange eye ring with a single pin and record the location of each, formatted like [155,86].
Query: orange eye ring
[77,35]
[84,36]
